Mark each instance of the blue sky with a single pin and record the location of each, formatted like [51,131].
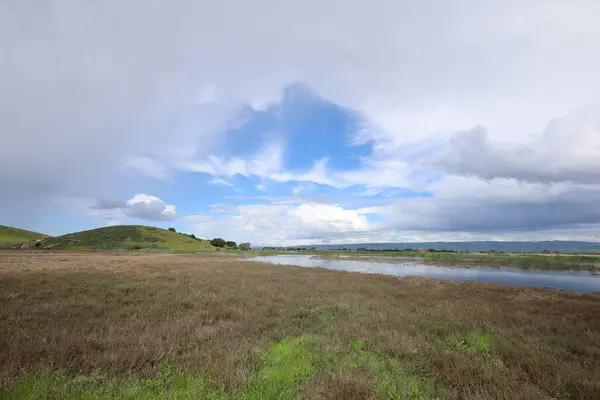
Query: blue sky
[292,138]
[285,124]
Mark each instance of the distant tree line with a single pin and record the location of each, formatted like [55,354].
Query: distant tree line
[409,250]
[220,242]
[406,250]
[289,248]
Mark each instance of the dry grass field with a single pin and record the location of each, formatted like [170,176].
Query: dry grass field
[92,326]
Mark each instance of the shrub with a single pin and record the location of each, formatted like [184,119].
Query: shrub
[218,242]
[231,244]
[172,229]
[245,246]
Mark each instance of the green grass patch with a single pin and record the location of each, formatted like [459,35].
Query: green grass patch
[285,364]
[292,363]
[392,377]
[474,342]
[166,384]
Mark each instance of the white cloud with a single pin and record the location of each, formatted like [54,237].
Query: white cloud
[329,218]
[266,163]
[373,173]
[220,181]
[149,208]
[141,206]
[281,223]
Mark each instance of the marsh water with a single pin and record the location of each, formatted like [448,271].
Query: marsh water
[578,281]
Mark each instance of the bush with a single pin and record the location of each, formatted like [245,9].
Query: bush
[245,246]
[193,236]
[172,229]
[231,244]
[218,242]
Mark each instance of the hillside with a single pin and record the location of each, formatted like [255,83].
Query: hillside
[511,247]
[10,236]
[126,237]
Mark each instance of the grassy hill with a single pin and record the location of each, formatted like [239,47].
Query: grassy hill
[126,237]
[10,236]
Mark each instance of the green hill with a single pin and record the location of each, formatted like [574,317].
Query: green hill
[126,237]
[10,236]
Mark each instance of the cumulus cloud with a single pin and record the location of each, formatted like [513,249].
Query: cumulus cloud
[568,150]
[281,223]
[329,218]
[149,208]
[141,206]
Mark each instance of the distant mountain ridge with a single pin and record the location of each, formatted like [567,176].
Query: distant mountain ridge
[561,246]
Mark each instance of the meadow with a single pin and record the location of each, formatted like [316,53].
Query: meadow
[156,326]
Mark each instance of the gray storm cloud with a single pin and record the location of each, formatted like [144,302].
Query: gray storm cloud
[567,151]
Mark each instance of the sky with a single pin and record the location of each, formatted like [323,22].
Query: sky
[303,122]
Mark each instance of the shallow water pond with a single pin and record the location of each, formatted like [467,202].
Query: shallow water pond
[578,281]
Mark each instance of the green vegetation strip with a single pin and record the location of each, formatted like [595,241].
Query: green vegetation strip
[165,385]
[285,368]
[556,262]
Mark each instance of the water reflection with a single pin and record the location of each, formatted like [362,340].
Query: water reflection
[578,281]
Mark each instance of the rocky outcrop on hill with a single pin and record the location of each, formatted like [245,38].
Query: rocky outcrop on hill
[34,243]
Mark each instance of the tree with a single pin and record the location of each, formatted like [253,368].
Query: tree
[231,244]
[218,242]
[245,246]
[193,236]
[172,229]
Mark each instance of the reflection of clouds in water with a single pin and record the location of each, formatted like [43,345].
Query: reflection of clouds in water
[579,281]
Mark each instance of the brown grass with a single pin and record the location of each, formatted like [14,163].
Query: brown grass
[213,316]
